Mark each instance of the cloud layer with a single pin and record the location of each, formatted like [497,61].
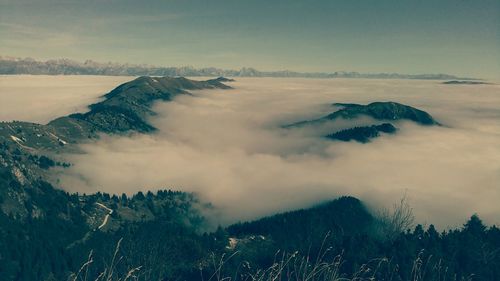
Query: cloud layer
[42,98]
[228,147]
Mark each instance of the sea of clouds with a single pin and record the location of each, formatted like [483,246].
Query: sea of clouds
[41,98]
[229,147]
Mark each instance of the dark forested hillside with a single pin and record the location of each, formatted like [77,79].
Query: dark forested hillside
[362,134]
[167,242]
[344,229]
[69,226]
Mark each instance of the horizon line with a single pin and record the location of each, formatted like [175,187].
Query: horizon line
[249,68]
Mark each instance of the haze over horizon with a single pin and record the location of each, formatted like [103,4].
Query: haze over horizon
[454,37]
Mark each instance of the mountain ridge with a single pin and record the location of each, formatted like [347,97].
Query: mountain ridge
[380,111]
[11,65]
[28,149]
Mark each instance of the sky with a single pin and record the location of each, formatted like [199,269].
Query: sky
[460,37]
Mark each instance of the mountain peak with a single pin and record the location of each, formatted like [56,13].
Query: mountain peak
[383,111]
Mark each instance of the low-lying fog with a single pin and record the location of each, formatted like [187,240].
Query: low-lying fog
[227,146]
[41,98]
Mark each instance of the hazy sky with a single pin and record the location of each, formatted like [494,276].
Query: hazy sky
[426,36]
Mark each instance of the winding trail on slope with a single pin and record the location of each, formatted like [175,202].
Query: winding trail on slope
[106,218]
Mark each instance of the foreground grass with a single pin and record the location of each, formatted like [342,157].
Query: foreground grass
[286,267]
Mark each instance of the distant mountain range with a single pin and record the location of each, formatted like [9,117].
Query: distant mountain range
[12,65]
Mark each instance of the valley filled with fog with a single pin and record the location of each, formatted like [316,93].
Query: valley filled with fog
[230,147]
[41,98]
